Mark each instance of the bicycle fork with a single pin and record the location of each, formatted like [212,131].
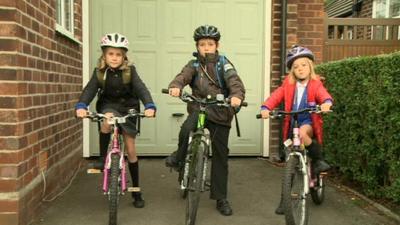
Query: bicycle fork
[304,171]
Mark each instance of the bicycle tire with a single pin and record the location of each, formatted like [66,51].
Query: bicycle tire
[318,191]
[195,181]
[294,196]
[113,197]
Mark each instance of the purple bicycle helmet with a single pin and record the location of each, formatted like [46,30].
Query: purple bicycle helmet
[296,52]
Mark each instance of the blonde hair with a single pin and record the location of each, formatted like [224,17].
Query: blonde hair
[313,75]
[102,65]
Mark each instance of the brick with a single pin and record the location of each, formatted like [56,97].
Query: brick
[8,88]
[9,171]
[10,158]
[9,15]
[7,60]
[306,14]
[8,206]
[9,116]
[8,74]
[11,30]
[9,185]
[8,102]
[8,3]
[9,218]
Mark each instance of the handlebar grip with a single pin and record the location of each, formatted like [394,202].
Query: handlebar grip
[165,91]
[244,104]
[258,116]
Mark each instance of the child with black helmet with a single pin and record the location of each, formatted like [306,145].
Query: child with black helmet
[202,76]
[302,88]
[119,89]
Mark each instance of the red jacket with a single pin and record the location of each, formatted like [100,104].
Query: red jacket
[316,95]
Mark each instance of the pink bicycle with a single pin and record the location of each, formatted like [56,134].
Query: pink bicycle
[114,172]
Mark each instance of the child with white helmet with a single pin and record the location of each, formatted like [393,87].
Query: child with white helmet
[119,89]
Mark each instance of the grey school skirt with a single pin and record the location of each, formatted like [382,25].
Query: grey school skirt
[130,127]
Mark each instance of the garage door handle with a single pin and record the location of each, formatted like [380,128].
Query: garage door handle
[177,114]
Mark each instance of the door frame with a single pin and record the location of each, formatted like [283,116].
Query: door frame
[267,70]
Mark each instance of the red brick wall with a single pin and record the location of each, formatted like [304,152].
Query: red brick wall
[305,21]
[39,69]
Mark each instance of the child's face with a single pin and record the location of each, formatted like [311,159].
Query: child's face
[207,46]
[114,57]
[301,68]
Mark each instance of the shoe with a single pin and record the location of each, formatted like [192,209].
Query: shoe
[223,207]
[279,210]
[138,201]
[98,164]
[321,166]
[172,161]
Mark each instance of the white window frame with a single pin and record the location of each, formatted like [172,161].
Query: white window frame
[61,27]
[387,12]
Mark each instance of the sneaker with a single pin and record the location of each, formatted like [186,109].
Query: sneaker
[321,166]
[138,201]
[172,161]
[223,207]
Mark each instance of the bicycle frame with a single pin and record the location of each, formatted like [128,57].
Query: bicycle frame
[115,149]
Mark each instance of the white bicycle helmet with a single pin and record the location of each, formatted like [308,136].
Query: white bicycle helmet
[114,40]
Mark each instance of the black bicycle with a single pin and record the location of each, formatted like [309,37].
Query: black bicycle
[299,179]
[193,176]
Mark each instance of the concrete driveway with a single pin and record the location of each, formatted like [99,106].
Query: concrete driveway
[254,186]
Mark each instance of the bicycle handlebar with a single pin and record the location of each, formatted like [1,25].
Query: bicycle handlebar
[186,97]
[114,119]
[279,113]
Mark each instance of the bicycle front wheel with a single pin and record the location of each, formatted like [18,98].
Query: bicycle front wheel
[294,193]
[195,181]
[113,196]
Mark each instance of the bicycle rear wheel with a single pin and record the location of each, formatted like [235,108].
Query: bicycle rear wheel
[318,191]
[113,197]
[294,196]
[195,181]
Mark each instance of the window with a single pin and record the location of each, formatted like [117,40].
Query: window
[65,17]
[385,9]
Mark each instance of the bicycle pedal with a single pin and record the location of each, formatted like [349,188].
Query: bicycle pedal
[133,189]
[93,171]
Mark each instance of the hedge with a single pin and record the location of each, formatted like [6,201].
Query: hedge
[362,136]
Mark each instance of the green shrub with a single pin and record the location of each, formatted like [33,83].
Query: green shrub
[362,136]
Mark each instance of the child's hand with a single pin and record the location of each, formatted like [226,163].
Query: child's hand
[174,92]
[235,102]
[325,107]
[265,114]
[81,113]
[149,113]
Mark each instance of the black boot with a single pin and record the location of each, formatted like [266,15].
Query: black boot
[279,210]
[315,153]
[224,207]
[138,201]
[104,141]
[172,160]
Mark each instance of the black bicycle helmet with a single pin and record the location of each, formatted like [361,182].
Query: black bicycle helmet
[206,31]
